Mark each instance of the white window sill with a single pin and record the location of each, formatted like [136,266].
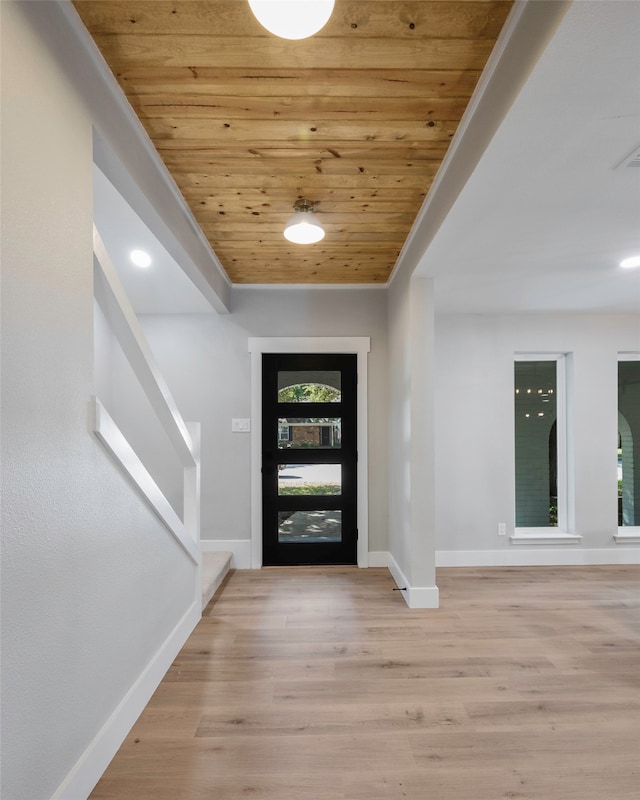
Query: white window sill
[628,535]
[543,536]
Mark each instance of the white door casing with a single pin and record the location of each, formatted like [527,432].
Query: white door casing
[360,346]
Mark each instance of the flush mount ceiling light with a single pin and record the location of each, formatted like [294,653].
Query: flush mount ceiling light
[628,263]
[303,227]
[140,258]
[292,19]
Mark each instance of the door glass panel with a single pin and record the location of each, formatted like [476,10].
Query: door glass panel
[310,386]
[309,526]
[309,479]
[300,433]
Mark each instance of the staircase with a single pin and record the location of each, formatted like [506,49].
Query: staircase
[215,566]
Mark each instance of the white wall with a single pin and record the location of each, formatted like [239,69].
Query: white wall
[400,424]
[92,584]
[474,412]
[206,362]
[411,438]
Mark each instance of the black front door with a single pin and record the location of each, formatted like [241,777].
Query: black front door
[309,459]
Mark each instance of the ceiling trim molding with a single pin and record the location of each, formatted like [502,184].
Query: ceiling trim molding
[150,188]
[526,33]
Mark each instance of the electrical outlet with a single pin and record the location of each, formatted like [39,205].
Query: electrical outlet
[502,529]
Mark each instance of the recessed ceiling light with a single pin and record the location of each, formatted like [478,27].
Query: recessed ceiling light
[140,258]
[632,261]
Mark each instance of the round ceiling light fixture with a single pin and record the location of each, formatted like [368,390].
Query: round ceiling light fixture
[292,19]
[140,258]
[628,263]
[303,227]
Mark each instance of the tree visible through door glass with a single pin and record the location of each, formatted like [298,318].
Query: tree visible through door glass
[312,386]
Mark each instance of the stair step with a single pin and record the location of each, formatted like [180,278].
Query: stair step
[215,566]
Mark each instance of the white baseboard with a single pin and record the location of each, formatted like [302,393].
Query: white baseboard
[241,549]
[415,596]
[537,557]
[88,770]
[512,557]
[378,558]
[424,597]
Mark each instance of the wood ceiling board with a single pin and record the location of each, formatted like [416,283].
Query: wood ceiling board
[198,184]
[392,221]
[300,271]
[352,204]
[384,239]
[212,107]
[325,83]
[186,167]
[350,201]
[356,119]
[175,150]
[278,208]
[272,53]
[241,130]
[326,247]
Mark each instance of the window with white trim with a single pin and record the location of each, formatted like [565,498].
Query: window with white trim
[540,442]
[629,440]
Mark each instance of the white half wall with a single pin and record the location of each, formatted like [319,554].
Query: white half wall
[411,439]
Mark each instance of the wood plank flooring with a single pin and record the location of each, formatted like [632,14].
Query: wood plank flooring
[320,684]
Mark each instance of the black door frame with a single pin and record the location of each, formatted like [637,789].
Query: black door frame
[250,555]
[275,505]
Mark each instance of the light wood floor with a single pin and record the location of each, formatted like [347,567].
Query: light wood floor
[320,684]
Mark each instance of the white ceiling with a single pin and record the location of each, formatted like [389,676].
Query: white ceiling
[546,217]
[163,287]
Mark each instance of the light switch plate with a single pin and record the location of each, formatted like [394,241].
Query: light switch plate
[241,425]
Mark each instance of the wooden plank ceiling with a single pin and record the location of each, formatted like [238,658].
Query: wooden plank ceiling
[356,119]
